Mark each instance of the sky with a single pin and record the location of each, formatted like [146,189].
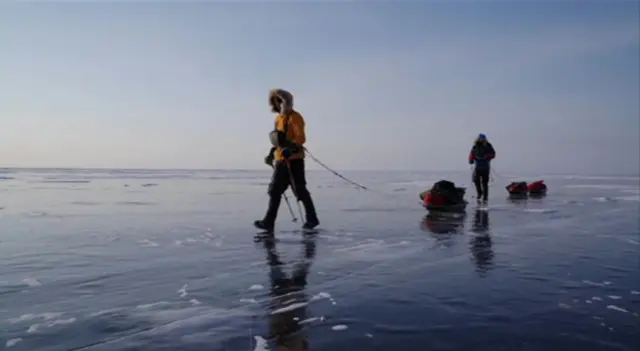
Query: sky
[555,85]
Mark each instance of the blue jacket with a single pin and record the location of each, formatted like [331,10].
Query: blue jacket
[481,154]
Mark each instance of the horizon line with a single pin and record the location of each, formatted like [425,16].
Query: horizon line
[213,169]
[318,169]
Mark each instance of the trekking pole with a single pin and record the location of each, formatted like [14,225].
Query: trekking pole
[293,188]
[286,199]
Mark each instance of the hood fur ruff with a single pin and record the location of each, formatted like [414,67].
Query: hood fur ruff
[286,97]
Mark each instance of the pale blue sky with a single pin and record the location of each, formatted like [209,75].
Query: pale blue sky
[382,85]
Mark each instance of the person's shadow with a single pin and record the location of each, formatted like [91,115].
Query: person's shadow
[288,306]
[480,244]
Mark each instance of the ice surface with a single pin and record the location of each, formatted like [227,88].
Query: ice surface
[165,260]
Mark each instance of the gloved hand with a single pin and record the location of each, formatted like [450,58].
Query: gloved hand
[471,162]
[290,149]
[286,153]
[268,160]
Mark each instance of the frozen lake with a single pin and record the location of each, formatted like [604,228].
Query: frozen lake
[165,260]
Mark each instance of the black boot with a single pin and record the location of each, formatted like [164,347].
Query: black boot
[479,196]
[263,226]
[311,223]
[310,211]
[269,220]
[479,192]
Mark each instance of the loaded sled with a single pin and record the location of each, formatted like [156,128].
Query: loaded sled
[517,189]
[444,196]
[537,188]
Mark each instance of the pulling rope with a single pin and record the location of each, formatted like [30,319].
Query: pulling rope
[358,185]
[334,172]
[493,171]
[492,179]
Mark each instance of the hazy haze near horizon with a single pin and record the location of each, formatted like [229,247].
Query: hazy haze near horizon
[554,85]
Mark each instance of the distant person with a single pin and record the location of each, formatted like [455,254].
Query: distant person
[287,139]
[481,154]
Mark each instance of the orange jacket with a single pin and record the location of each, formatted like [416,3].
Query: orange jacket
[295,133]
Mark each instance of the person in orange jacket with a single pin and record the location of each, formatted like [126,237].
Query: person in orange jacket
[287,139]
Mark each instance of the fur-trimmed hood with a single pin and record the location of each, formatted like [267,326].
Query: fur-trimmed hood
[287,98]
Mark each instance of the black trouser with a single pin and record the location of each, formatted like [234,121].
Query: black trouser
[280,181]
[481,181]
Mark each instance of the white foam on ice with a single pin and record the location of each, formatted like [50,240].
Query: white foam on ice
[616,308]
[152,305]
[12,342]
[148,243]
[261,344]
[183,291]
[291,307]
[31,282]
